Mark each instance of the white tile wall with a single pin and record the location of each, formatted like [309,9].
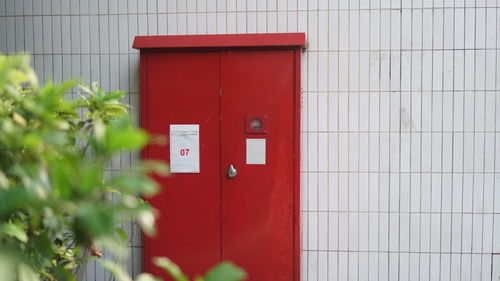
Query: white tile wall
[400,118]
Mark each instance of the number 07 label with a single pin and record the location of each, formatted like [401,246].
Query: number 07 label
[184,148]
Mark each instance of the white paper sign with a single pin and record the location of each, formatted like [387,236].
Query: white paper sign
[184,148]
[256,151]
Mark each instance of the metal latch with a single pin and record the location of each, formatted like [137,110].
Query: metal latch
[231,171]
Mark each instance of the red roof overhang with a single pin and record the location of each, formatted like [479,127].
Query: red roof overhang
[268,40]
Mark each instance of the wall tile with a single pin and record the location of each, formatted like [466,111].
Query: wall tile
[399,121]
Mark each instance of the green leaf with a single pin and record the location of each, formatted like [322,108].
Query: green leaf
[19,119]
[113,96]
[147,277]
[8,262]
[64,274]
[4,181]
[225,271]
[51,95]
[121,135]
[171,268]
[134,184]
[86,89]
[91,177]
[13,198]
[115,110]
[63,173]
[31,140]
[94,221]
[122,234]
[146,220]
[43,244]
[26,273]
[15,231]
[112,190]
[157,167]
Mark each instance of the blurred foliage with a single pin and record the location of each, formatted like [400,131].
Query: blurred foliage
[225,271]
[57,207]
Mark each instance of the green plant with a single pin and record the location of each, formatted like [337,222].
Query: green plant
[55,201]
[56,205]
[225,271]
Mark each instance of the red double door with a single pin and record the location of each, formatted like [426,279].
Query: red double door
[209,216]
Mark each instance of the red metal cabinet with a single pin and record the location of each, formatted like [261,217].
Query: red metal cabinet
[224,84]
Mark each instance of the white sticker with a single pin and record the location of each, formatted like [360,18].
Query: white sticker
[184,148]
[256,151]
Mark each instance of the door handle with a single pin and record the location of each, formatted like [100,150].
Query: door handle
[231,171]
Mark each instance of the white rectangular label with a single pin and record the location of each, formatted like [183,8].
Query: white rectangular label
[256,151]
[184,148]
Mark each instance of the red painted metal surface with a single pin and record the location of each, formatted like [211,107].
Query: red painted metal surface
[252,219]
[257,205]
[219,41]
[184,89]
[296,164]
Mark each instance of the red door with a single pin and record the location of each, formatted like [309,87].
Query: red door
[247,215]
[257,204]
[183,88]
